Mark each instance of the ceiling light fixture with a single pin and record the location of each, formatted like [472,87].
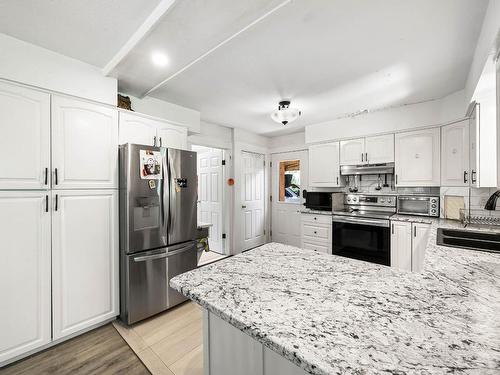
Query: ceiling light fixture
[159,59]
[284,114]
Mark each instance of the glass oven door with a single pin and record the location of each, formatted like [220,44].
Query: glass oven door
[362,238]
[414,205]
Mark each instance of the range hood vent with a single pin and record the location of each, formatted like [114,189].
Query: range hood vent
[350,170]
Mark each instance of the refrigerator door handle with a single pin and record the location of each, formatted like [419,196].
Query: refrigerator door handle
[150,257]
[181,250]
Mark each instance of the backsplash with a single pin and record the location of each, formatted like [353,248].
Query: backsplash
[474,199]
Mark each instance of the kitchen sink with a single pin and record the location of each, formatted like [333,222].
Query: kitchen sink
[469,239]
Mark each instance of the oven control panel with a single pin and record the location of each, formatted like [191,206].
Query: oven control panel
[370,200]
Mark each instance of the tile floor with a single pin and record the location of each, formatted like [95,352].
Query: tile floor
[168,343]
[209,257]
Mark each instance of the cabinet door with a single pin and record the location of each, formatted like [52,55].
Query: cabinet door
[137,129]
[401,245]
[24,138]
[418,158]
[379,149]
[352,152]
[324,169]
[455,154]
[172,136]
[24,272]
[85,259]
[474,146]
[84,145]
[420,233]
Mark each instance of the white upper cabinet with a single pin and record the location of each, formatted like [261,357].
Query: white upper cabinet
[84,145]
[455,154]
[324,167]
[24,272]
[379,149]
[137,129]
[24,138]
[369,150]
[352,152]
[418,158]
[148,131]
[85,259]
[172,136]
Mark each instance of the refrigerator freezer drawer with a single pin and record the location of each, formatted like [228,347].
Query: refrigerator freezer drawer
[145,289]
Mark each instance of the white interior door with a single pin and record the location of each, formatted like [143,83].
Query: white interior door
[210,194]
[253,199]
[286,205]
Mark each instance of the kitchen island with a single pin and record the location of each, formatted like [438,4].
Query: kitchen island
[327,314]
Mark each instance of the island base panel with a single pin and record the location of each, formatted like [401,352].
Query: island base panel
[229,351]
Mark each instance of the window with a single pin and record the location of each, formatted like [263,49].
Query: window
[289,188]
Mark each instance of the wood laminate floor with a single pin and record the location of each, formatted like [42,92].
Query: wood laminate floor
[169,343]
[101,351]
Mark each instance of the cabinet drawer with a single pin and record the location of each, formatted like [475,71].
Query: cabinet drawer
[319,247]
[317,232]
[317,219]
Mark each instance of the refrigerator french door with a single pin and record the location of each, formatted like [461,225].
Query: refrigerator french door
[158,224]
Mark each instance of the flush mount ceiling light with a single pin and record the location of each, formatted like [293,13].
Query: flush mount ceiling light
[284,114]
[159,59]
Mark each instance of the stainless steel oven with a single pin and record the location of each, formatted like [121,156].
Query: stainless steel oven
[418,205]
[362,238]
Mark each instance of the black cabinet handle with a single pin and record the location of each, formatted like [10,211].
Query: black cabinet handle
[392,228]
[56,202]
[46,203]
[154,141]
[414,231]
[46,176]
[396,179]
[337,180]
[55,176]
[362,156]
[465,177]
[160,141]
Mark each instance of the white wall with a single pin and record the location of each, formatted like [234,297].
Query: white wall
[289,142]
[407,117]
[171,112]
[488,39]
[213,135]
[32,65]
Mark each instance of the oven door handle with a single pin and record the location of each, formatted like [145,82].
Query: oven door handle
[413,198]
[361,221]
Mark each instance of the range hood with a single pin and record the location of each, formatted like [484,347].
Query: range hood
[350,170]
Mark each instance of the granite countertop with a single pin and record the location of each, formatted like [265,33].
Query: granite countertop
[331,315]
[315,212]
[413,218]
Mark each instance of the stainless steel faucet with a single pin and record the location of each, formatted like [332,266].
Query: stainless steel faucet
[491,204]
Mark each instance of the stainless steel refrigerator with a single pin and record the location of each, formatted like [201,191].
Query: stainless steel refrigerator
[158,224]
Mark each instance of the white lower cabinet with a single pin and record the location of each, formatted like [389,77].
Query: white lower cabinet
[229,351]
[408,244]
[316,232]
[85,259]
[24,272]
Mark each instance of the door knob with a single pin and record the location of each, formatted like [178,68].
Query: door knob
[243,206]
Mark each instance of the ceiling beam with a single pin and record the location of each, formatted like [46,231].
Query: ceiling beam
[139,34]
[253,23]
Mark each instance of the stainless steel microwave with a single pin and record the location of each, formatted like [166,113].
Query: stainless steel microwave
[418,205]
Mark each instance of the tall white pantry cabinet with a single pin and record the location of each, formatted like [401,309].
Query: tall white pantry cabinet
[58,218]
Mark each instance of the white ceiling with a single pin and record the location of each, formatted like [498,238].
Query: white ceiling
[91,31]
[332,58]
